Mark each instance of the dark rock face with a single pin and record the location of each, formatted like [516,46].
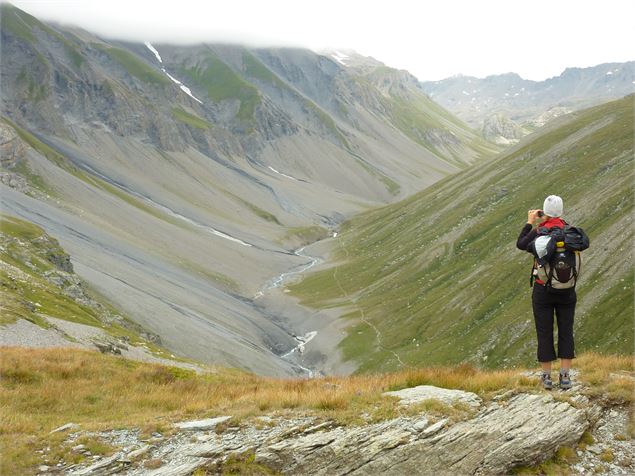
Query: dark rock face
[12,148]
[51,250]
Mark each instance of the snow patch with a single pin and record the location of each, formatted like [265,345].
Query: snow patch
[284,175]
[339,57]
[153,49]
[608,73]
[465,92]
[504,140]
[183,87]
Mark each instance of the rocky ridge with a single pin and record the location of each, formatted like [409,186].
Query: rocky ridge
[510,431]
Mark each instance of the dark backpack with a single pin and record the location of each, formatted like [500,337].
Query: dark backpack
[575,239]
[558,267]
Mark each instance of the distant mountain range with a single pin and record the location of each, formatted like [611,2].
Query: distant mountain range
[507,106]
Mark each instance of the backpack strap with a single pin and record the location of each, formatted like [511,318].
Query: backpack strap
[578,266]
[532,276]
[549,277]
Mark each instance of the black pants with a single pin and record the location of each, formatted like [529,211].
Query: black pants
[544,305]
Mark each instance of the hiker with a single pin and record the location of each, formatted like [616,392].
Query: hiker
[552,293]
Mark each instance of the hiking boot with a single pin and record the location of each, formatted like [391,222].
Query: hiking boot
[565,381]
[547,383]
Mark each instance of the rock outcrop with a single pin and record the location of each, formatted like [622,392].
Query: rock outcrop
[514,430]
[500,129]
[12,148]
[521,431]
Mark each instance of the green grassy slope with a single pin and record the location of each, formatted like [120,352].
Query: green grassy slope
[437,278]
[425,122]
[221,83]
[134,66]
[422,120]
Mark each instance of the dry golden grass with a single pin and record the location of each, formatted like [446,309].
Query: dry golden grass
[42,389]
[610,377]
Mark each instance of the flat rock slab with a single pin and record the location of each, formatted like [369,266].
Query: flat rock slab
[199,425]
[410,396]
[67,427]
[524,431]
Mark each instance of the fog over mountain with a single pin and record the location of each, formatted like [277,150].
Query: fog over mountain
[432,41]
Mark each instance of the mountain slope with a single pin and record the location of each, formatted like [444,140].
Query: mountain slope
[183,180]
[437,277]
[39,285]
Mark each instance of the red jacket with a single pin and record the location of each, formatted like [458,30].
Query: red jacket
[552,223]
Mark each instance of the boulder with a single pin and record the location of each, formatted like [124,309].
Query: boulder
[67,427]
[410,396]
[198,425]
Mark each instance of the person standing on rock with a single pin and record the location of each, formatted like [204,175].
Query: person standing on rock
[547,300]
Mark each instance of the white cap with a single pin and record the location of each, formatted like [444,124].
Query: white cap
[553,206]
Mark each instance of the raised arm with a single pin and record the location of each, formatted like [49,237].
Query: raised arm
[528,234]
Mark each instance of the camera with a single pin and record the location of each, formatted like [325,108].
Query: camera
[541,213]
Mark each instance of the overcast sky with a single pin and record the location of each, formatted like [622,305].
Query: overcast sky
[432,39]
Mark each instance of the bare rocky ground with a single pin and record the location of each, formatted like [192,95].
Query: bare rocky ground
[62,333]
[612,451]
[510,431]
